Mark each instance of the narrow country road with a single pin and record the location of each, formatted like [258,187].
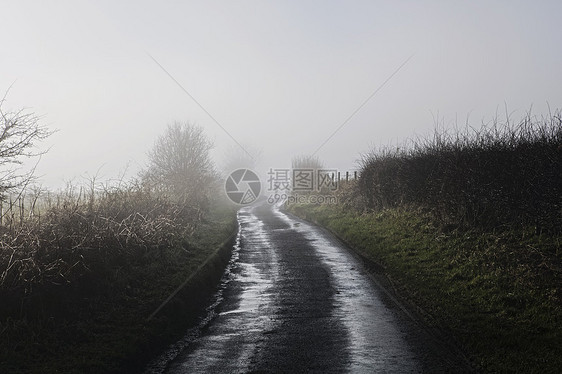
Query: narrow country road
[295,300]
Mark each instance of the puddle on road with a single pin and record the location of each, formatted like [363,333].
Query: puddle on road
[238,323]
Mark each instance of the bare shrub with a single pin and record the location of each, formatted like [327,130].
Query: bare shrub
[81,231]
[19,133]
[306,162]
[180,165]
[501,174]
[236,157]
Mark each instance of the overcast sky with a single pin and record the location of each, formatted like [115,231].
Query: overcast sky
[280,76]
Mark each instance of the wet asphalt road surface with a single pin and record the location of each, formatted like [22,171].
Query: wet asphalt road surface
[295,300]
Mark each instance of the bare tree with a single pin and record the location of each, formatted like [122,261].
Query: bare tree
[238,158]
[306,162]
[180,164]
[19,131]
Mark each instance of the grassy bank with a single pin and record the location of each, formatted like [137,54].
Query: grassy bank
[498,293]
[89,314]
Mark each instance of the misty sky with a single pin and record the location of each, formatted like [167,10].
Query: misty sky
[280,76]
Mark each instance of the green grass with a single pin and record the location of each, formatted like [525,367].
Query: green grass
[105,329]
[497,293]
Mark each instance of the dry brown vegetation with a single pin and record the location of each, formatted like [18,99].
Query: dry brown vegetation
[59,238]
[82,259]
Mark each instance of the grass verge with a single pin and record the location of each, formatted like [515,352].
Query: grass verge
[498,293]
[105,329]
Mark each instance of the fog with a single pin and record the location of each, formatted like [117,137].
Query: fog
[280,77]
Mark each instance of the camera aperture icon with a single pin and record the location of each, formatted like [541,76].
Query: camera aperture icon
[242,186]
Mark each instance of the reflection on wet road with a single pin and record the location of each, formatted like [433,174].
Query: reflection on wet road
[295,300]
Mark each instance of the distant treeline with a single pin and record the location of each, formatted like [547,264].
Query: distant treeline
[500,175]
